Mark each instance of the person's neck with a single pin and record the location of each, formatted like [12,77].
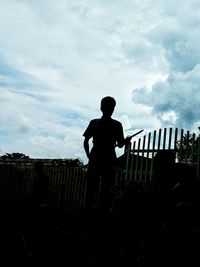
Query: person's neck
[107,117]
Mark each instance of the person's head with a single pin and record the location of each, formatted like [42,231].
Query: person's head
[108,104]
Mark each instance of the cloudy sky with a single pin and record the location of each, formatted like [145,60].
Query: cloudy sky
[58,58]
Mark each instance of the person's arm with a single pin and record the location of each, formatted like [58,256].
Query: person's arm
[86,146]
[121,141]
[87,135]
[126,141]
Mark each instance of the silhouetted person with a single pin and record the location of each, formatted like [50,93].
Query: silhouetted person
[107,133]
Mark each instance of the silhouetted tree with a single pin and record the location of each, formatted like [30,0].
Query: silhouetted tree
[16,155]
[68,162]
[187,148]
[73,162]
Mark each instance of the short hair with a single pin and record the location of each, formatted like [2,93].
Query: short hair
[108,103]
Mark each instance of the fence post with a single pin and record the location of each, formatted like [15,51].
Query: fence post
[198,156]
[127,161]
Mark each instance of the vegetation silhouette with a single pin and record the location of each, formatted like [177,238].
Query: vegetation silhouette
[14,155]
[188,148]
[151,224]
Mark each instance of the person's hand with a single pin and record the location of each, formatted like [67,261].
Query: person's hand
[128,140]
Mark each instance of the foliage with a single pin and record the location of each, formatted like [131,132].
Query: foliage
[68,162]
[58,162]
[187,149]
[74,162]
[14,156]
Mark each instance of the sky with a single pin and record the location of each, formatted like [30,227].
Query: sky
[59,58]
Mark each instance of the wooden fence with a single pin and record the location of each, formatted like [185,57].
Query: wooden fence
[16,180]
[141,153]
[66,185]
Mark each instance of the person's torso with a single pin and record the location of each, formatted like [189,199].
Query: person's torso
[105,133]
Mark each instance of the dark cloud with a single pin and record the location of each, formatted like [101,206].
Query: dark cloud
[179,96]
[175,101]
[181,52]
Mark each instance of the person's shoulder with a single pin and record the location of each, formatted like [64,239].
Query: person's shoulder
[93,121]
[116,123]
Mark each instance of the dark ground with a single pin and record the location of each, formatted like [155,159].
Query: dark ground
[143,229]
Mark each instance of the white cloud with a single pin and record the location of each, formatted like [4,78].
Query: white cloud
[59,58]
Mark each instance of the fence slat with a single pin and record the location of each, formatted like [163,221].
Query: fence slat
[142,157]
[147,158]
[137,157]
[193,148]
[153,151]
[181,145]
[159,138]
[132,162]
[164,138]
[198,156]
[170,138]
